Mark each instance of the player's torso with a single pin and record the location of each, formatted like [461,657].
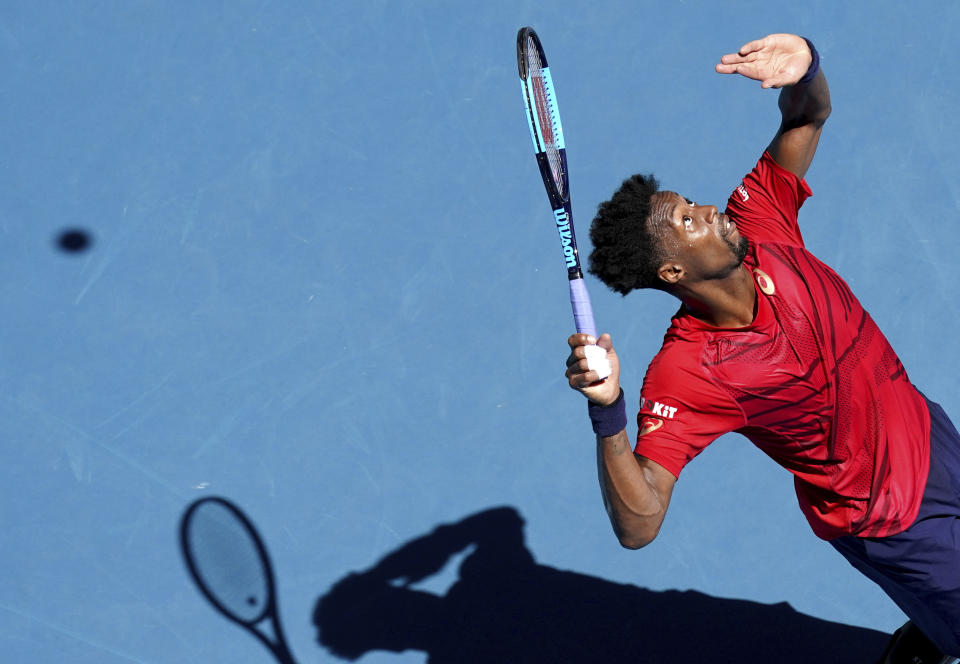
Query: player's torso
[800,369]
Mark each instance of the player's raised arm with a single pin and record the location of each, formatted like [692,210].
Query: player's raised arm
[791,63]
[636,491]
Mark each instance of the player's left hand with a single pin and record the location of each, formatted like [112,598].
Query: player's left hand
[776,60]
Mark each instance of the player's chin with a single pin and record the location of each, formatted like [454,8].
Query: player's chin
[740,247]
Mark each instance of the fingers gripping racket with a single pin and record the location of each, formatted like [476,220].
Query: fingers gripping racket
[230,565]
[543,116]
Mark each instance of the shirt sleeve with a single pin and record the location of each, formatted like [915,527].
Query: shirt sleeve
[681,412]
[765,204]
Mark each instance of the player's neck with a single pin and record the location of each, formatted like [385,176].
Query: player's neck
[729,303]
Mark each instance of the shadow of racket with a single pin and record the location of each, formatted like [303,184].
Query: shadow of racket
[229,563]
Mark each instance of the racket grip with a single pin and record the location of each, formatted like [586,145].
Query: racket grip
[582,311]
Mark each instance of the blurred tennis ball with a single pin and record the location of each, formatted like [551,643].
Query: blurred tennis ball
[74,240]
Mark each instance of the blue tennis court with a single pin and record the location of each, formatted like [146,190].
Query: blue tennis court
[323,282]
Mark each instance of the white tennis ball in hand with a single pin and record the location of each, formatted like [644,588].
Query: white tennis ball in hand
[597,360]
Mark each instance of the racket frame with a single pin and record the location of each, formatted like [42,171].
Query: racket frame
[559,199]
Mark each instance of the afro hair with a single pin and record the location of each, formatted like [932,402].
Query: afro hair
[626,255]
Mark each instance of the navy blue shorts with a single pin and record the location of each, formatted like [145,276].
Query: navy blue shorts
[920,568]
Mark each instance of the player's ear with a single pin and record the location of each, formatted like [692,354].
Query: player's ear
[671,273]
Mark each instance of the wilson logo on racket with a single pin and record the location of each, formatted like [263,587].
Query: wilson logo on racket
[566,237]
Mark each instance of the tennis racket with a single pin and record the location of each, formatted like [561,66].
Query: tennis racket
[230,565]
[543,116]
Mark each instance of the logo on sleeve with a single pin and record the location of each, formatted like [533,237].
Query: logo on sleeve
[649,425]
[658,409]
[742,190]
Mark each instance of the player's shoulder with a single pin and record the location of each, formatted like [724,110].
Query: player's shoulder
[783,256]
[768,170]
[683,352]
[680,380]
[765,203]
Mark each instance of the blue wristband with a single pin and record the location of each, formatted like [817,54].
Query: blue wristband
[814,65]
[608,420]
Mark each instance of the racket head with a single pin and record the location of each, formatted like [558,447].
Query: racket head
[543,115]
[227,560]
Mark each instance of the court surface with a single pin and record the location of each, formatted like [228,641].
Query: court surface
[324,283]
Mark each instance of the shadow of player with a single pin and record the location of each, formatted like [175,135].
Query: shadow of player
[505,607]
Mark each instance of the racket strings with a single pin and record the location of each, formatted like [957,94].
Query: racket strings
[547,114]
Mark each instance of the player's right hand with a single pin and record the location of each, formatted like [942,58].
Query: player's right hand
[587,381]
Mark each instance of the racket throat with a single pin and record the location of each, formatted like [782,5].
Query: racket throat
[567,241]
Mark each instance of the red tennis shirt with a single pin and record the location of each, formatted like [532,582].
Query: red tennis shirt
[812,381]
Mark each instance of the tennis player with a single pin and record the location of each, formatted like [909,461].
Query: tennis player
[771,343]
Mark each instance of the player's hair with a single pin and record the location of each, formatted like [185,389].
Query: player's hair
[626,255]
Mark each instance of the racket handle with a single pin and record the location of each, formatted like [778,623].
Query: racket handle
[582,311]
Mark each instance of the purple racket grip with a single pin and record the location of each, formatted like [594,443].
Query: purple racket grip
[582,311]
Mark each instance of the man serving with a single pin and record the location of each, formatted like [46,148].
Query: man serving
[771,343]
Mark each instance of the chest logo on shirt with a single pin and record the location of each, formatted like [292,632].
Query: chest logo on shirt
[649,425]
[764,282]
[742,190]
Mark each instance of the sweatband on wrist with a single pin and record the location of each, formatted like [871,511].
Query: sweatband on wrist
[608,420]
[814,65]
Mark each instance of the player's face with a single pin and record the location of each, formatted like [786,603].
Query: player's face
[701,239]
